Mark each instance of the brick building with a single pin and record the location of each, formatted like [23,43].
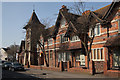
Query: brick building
[69,51]
[33,30]
[66,52]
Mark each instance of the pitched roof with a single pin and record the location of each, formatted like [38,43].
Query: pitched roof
[33,20]
[50,31]
[102,11]
[111,7]
[113,41]
[63,13]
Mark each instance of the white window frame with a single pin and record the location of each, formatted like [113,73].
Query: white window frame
[63,56]
[95,30]
[74,40]
[96,54]
[76,56]
[63,38]
[50,43]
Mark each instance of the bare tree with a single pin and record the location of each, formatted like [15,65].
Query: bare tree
[41,43]
[80,26]
[44,35]
[13,49]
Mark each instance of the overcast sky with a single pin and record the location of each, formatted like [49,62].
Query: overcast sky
[15,16]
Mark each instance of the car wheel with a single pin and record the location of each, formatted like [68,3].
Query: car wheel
[12,69]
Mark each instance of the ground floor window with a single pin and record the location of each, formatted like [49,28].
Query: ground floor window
[116,58]
[64,56]
[80,57]
[97,54]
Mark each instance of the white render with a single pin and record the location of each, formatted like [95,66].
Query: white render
[3,54]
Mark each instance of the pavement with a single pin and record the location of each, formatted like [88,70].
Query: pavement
[36,74]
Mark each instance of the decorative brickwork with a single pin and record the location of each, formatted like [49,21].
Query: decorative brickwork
[99,66]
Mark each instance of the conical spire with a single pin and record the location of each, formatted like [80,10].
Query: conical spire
[34,18]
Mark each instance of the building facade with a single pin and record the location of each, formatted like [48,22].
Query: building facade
[68,53]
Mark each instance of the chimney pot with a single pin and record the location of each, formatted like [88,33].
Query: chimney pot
[63,6]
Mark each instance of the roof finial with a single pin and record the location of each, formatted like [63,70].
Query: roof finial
[33,8]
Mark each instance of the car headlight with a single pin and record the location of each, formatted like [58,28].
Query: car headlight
[5,65]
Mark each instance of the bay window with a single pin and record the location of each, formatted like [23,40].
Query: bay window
[97,54]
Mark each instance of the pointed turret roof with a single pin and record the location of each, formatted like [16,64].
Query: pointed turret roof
[33,20]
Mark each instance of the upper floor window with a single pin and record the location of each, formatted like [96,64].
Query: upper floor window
[50,41]
[63,39]
[96,30]
[74,38]
[28,33]
[63,22]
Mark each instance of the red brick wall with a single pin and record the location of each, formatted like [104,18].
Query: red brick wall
[113,73]
[78,70]
[99,66]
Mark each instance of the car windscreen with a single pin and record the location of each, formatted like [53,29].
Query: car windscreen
[8,63]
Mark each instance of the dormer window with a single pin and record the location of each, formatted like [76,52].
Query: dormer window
[63,22]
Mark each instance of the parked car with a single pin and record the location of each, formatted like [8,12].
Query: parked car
[6,65]
[16,66]
[2,61]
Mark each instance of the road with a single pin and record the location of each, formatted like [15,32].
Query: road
[35,74]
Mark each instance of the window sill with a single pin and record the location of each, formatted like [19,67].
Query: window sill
[98,59]
[75,41]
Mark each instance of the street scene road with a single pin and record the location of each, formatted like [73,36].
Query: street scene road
[45,74]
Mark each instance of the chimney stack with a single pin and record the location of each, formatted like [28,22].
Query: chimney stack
[64,8]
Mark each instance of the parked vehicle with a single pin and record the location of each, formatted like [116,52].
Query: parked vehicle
[16,66]
[6,65]
[2,61]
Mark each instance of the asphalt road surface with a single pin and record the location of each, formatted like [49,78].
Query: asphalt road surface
[35,74]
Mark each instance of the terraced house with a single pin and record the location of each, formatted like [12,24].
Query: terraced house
[65,46]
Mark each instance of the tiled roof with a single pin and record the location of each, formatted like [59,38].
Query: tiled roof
[50,29]
[102,11]
[33,20]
